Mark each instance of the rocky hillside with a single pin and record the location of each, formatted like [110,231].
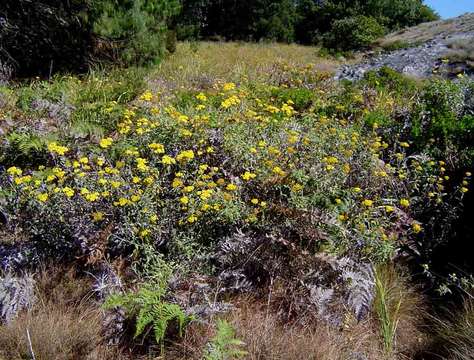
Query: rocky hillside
[444,47]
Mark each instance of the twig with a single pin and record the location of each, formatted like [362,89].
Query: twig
[29,344]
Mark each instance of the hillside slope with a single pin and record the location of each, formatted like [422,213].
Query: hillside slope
[444,47]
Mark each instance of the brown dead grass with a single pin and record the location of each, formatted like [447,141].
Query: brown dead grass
[267,338]
[67,324]
[461,50]
[64,324]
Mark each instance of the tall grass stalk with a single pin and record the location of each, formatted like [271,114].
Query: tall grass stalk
[387,306]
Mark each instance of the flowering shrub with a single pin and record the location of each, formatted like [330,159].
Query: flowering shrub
[228,159]
[266,181]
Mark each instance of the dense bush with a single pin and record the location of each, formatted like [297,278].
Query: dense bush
[353,33]
[40,37]
[43,37]
[134,31]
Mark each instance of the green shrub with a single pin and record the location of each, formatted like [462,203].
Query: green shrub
[301,97]
[134,31]
[353,32]
[442,117]
[392,80]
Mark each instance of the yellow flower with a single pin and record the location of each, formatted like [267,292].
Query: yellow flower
[97,216]
[278,171]
[464,189]
[343,217]
[404,144]
[389,209]
[176,183]
[92,196]
[68,192]
[43,197]
[135,198]
[58,149]
[105,143]
[184,200]
[157,148]
[357,189]
[248,176]
[83,160]
[201,97]
[192,219]
[145,232]
[13,170]
[231,101]
[142,164]
[228,86]
[189,188]
[367,202]
[168,160]
[231,187]
[416,227]
[206,194]
[146,96]
[254,201]
[115,184]
[185,155]
[405,202]
[121,202]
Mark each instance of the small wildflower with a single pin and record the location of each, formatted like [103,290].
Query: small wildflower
[97,216]
[105,143]
[43,197]
[405,202]
[247,176]
[168,160]
[416,227]
[231,187]
[367,202]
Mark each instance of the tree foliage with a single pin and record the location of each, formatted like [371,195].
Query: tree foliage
[45,36]
[304,21]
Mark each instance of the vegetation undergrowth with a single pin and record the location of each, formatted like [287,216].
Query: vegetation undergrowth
[233,168]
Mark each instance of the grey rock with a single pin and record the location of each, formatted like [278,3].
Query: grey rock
[419,61]
[16,294]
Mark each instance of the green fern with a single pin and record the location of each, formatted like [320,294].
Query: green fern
[224,345]
[26,143]
[149,310]
[84,128]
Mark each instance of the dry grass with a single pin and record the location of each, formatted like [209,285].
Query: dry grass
[267,338]
[57,332]
[455,334]
[428,31]
[401,311]
[199,65]
[63,324]
[461,50]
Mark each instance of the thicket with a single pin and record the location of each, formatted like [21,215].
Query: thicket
[304,21]
[47,36]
